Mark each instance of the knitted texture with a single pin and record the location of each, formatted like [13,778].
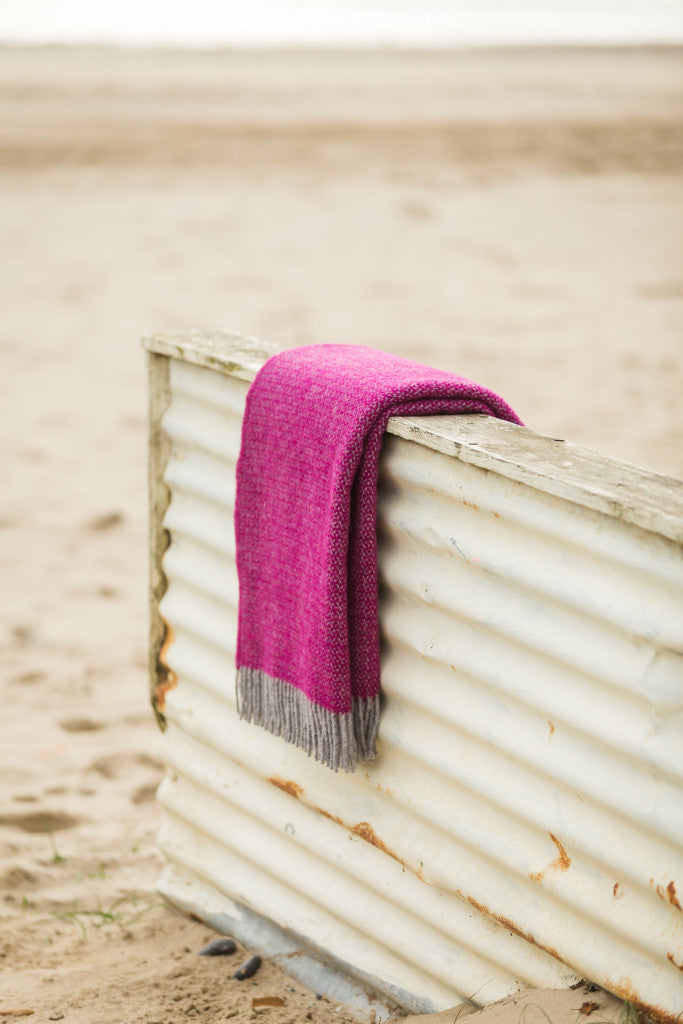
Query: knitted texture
[308,656]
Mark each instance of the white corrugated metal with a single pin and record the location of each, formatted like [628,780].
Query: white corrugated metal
[523,823]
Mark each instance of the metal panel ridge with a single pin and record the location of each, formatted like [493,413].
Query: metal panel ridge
[523,822]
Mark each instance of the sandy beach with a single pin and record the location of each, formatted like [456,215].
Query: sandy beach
[516,217]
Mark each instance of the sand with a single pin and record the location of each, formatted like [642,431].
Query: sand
[515,217]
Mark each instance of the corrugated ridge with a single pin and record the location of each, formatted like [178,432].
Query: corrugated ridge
[429,740]
[484,856]
[623,658]
[593,764]
[217,430]
[255,798]
[583,823]
[480,789]
[520,503]
[196,425]
[579,602]
[204,665]
[203,568]
[193,611]
[393,511]
[557,906]
[391,927]
[198,472]
[602,587]
[201,521]
[620,720]
[224,393]
[193,857]
[623,738]
[214,861]
[504,609]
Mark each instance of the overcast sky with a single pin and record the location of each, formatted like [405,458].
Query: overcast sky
[397,22]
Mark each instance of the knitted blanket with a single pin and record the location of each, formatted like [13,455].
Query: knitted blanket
[308,656]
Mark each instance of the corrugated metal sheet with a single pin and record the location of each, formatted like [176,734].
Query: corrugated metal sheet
[523,823]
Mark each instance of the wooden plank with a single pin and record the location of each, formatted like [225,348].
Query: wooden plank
[238,355]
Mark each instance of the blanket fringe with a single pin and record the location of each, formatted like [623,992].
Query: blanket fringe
[337,740]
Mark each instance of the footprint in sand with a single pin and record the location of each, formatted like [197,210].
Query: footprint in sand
[28,678]
[16,877]
[114,766]
[41,821]
[145,794]
[80,725]
[106,521]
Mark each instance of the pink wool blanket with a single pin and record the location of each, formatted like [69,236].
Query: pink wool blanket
[308,661]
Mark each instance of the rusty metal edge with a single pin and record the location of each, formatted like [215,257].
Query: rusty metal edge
[161,678]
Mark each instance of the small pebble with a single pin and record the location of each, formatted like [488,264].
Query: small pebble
[219,947]
[248,968]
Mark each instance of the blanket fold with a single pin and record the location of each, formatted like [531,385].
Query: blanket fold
[308,654]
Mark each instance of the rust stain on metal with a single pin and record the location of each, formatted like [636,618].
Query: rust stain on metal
[512,927]
[332,817]
[385,789]
[551,727]
[287,786]
[616,890]
[166,678]
[624,990]
[561,863]
[365,830]
[670,956]
[668,894]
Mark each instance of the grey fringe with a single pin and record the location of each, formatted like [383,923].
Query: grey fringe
[339,741]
